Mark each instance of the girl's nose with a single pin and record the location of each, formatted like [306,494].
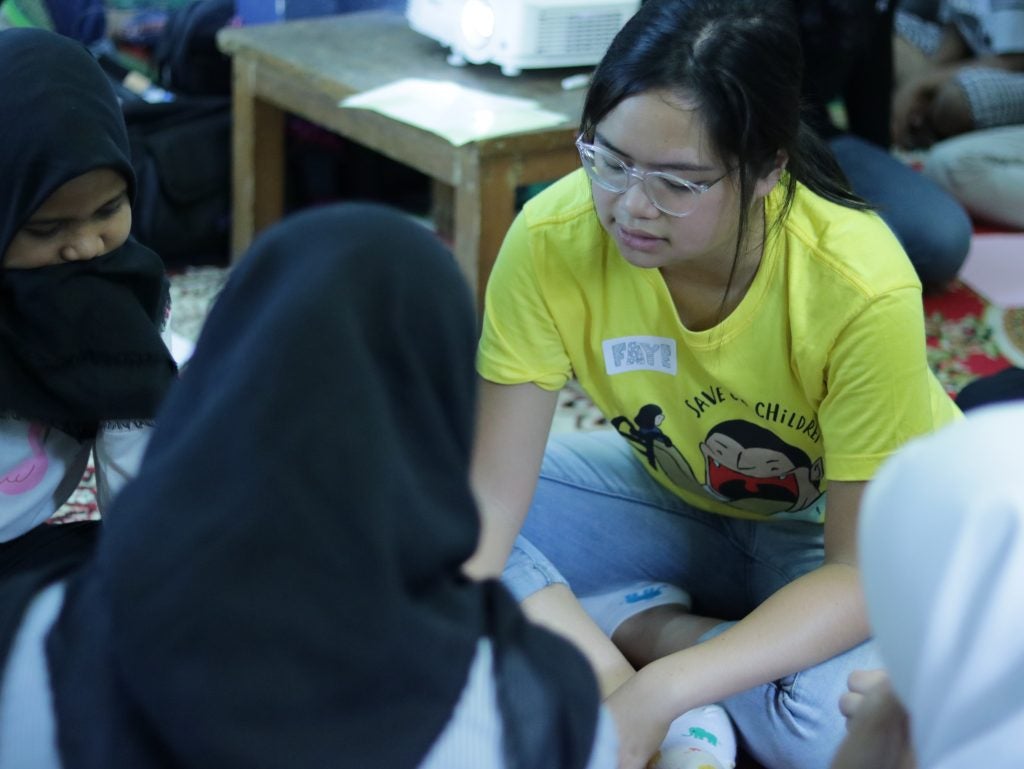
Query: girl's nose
[637,202]
[83,246]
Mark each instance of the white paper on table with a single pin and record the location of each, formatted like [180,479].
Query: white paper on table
[995,268]
[459,114]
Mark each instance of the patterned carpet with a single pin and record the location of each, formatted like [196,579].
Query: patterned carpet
[967,337]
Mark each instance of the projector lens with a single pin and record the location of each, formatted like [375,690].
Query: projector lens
[477,22]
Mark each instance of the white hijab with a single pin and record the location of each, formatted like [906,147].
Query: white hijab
[942,558]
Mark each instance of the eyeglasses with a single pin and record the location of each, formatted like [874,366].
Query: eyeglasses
[669,194]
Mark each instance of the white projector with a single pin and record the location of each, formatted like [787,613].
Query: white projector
[522,34]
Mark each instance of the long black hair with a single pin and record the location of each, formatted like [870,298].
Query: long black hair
[741,62]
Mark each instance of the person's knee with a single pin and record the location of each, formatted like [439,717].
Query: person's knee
[938,248]
[528,571]
[1007,385]
[937,237]
[932,226]
[805,725]
[784,727]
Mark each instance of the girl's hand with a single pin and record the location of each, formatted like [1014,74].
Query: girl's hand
[640,724]
[859,684]
[878,728]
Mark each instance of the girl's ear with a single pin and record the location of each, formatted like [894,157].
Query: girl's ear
[767,182]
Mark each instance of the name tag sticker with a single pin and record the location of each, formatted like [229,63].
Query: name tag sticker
[639,353]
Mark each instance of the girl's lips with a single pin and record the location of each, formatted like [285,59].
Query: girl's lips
[638,240]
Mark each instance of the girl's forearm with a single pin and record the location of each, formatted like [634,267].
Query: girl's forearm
[808,621]
[557,609]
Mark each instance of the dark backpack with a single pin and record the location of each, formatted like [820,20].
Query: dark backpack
[186,58]
[181,153]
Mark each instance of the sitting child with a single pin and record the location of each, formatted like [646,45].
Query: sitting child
[83,365]
[282,585]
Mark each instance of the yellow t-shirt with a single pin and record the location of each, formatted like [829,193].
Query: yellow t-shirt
[819,373]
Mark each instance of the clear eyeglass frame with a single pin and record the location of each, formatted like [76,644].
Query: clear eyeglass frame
[590,152]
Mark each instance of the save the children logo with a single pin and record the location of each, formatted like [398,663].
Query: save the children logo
[745,465]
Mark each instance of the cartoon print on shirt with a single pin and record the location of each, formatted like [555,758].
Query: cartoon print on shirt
[645,433]
[28,473]
[752,468]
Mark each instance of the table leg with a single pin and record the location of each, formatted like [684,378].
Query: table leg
[484,210]
[442,209]
[499,180]
[257,148]
[485,204]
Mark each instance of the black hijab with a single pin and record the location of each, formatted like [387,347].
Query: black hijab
[281,585]
[80,342]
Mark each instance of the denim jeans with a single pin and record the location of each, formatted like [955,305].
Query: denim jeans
[933,227]
[599,520]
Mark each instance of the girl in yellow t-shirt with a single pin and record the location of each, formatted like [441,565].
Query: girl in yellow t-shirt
[754,335]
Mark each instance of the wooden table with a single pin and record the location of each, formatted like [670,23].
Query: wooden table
[305,67]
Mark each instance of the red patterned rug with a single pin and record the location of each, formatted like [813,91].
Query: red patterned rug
[968,337]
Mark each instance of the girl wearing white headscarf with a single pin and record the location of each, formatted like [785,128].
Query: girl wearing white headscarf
[942,559]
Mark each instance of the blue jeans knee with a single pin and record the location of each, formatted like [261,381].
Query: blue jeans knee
[794,722]
[528,570]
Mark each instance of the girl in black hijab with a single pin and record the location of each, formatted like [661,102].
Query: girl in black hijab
[83,366]
[281,585]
